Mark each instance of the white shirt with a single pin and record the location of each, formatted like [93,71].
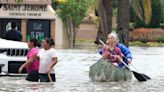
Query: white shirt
[45,57]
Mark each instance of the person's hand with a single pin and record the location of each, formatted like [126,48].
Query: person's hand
[118,57]
[129,60]
[20,70]
[107,42]
[106,48]
[48,69]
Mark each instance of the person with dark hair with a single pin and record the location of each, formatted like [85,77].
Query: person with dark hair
[13,34]
[48,59]
[32,63]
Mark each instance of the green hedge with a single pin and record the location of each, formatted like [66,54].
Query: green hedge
[160,38]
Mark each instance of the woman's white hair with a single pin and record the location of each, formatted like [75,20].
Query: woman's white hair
[114,34]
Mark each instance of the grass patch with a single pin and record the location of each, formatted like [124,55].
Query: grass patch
[137,43]
[84,41]
[148,44]
[90,42]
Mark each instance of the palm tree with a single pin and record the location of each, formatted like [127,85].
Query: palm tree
[105,15]
[137,7]
[162,9]
[147,5]
[123,18]
[123,15]
[105,19]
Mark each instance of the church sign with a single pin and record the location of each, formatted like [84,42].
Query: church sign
[29,11]
[46,2]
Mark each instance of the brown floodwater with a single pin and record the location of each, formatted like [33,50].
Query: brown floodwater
[73,68]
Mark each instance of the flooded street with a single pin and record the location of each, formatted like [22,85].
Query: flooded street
[73,68]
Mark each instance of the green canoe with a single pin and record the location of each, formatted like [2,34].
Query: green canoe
[105,71]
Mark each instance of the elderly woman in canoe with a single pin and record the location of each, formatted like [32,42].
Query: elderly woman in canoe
[110,67]
[126,54]
[111,51]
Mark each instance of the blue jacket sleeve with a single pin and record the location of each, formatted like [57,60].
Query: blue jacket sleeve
[125,50]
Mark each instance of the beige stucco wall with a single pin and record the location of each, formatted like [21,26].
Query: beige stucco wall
[61,40]
[52,29]
[24,30]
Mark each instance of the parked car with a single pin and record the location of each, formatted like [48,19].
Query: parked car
[12,56]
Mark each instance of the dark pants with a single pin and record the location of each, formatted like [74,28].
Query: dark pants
[33,76]
[44,77]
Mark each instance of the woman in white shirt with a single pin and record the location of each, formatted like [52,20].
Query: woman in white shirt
[48,59]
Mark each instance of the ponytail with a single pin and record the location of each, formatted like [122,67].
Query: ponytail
[50,41]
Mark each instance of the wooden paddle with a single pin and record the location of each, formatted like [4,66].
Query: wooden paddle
[139,76]
[49,77]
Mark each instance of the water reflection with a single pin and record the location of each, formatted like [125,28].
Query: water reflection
[72,74]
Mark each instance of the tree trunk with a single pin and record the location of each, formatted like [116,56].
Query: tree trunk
[105,19]
[74,35]
[123,18]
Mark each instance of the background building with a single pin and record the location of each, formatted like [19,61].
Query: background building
[34,18]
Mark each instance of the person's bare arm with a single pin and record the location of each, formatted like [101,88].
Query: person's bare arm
[28,62]
[54,61]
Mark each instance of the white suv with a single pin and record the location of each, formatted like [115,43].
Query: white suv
[12,56]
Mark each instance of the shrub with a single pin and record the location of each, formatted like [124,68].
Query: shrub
[146,35]
[160,38]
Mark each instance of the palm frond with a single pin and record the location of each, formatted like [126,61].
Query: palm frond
[162,9]
[136,5]
[147,10]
